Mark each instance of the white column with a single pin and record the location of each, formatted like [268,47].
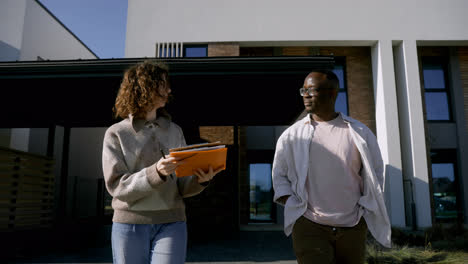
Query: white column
[412,131]
[388,135]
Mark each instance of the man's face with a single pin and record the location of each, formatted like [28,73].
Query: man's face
[323,95]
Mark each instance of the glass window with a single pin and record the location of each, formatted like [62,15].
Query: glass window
[261,192]
[435,89]
[196,51]
[434,77]
[437,106]
[339,71]
[444,185]
[341,103]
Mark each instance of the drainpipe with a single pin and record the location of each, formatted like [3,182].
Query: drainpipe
[413,206]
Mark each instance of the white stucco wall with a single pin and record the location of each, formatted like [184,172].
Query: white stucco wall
[44,36]
[11,28]
[244,21]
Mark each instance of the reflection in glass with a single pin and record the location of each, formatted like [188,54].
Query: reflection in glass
[434,77]
[261,193]
[444,189]
[437,107]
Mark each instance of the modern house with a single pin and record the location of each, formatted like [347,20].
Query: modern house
[403,69]
[236,68]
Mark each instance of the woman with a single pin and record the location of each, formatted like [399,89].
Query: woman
[149,213]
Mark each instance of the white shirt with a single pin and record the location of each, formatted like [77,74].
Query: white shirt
[290,168]
[334,184]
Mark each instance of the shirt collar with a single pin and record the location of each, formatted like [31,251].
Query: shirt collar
[138,123]
[347,119]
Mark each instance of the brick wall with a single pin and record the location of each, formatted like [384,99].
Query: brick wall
[223,49]
[224,134]
[295,51]
[361,103]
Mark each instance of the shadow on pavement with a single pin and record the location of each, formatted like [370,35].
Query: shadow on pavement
[244,246]
[253,246]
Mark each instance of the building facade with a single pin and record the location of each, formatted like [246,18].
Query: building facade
[403,70]
[29,32]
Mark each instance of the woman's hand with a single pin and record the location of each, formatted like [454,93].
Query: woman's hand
[167,166]
[204,177]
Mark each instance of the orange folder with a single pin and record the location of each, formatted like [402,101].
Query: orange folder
[202,159]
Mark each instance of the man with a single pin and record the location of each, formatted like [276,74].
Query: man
[328,174]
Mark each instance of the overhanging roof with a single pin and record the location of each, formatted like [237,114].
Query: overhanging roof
[212,91]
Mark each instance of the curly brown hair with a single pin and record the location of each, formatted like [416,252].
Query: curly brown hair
[139,88]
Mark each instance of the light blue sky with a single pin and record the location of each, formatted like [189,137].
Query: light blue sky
[100,24]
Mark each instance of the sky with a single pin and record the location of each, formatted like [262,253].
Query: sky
[99,24]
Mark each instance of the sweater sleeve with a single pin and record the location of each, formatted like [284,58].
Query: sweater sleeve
[120,182]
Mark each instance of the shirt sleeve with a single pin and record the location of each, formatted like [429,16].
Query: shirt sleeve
[120,182]
[376,158]
[281,183]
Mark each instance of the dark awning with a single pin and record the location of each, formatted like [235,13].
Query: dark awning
[208,91]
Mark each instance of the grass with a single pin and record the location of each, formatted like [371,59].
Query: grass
[438,245]
[415,255]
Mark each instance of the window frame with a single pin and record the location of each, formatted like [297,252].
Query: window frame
[188,46]
[431,61]
[441,156]
[263,156]
[341,61]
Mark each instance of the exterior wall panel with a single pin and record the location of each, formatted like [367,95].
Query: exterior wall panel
[11,28]
[463,60]
[46,37]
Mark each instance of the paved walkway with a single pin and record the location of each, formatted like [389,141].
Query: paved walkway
[245,247]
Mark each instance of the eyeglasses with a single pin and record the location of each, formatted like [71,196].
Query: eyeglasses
[311,91]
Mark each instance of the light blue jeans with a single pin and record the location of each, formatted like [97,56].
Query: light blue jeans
[144,244]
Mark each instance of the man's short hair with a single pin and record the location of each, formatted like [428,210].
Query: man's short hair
[331,77]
